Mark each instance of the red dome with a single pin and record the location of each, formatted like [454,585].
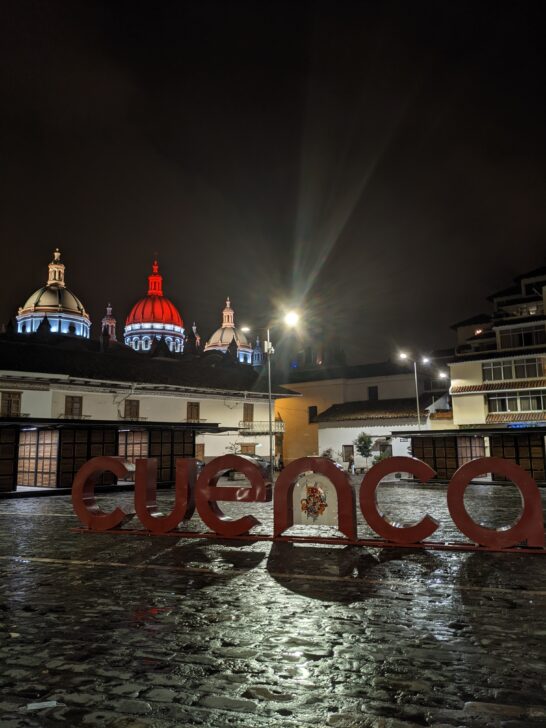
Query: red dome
[154,310]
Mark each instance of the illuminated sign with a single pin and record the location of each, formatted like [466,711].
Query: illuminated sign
[204,494]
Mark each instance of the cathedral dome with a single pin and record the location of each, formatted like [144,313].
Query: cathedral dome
[227,333]
[154,317]
[154,310]
[64,310]
[53,297]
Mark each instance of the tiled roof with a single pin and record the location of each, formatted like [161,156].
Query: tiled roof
[375,410]
[500,417]
[442,415]
[500,386]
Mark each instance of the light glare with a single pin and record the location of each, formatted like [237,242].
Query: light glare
[291,319]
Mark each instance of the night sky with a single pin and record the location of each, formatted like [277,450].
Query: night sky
[380,164]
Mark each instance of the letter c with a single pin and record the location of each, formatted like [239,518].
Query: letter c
[83,494]
[370,510]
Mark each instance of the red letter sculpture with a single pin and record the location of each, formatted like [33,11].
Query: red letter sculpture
[83,494]
[529,527]
[207,493]
[370,510]
[284,494]
[146,493]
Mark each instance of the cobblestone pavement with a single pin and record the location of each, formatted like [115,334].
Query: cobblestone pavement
[131,631]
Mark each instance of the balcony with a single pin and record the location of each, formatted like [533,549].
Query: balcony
[260,428]
[131,418]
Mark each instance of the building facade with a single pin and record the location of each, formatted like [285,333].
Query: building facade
[339,403]
[64,401]
[498,385]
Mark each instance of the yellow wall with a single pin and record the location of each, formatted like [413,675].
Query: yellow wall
[468,409]
[300,437]
[465,373]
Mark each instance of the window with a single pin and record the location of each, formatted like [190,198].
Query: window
[524,336]
[528,368]
[132,409]
[248,412]
[167,446]
[512,369]
[499,370]
[312,413]
[348,453]
[373,393]
[438,452]
[133,444]
[73,406]
[248,449]
[470,448]
[525,450]
[526,401]
[192,412]
[11,404]
[37,458]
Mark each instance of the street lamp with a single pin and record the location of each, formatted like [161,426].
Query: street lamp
[425,360]
[291,319]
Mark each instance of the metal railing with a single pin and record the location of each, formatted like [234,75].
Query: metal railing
[260,428]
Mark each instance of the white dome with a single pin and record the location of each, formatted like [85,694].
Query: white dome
[53,298]
[223,337]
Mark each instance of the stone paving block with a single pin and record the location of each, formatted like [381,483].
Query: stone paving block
[263,640]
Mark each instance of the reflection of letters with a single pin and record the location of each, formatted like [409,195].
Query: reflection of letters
[207,493]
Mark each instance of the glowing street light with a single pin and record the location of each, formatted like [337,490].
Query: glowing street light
[425,360]
[292,319]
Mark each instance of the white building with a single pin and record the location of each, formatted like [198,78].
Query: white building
[64,400]
[338,403]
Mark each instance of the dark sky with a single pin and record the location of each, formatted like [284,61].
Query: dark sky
[380,164]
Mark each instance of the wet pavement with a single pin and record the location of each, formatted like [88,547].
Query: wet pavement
[135,631]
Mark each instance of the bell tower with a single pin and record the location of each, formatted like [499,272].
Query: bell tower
[109,323]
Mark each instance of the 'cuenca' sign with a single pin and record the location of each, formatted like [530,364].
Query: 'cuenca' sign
[204,493]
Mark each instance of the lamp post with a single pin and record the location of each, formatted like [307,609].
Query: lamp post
[425,360]
[291,320]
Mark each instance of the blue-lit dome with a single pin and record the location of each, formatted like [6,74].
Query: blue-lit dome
[64,310]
